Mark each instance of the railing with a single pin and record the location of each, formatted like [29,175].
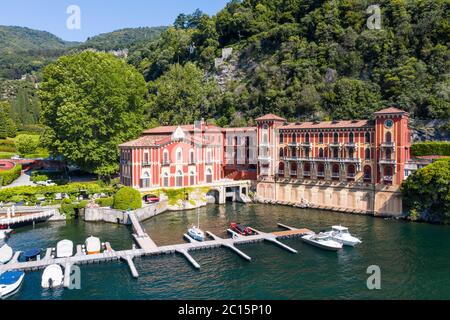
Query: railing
[334,144]
[281,172]
[306,144]
[388,178]
[293,173]
[387,144]
[306,173]
[351,175]
[388,161]
[335,175]
[264,158]
[321,174]
[292,144]
[351,144]
[146,164]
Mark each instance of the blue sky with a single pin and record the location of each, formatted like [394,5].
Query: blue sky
[99,16]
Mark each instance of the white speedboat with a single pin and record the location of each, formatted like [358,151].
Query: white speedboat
[64,249]
[6,253]
[323,241]
[93,245]
[10,283]
[342,235]
[52,277]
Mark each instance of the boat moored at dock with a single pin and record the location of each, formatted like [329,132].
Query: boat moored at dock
[10,283]
[32,254]
[93,245]
[64,249]
[52,277]
[6,253]
[323,241]
[342,235]
[242,230]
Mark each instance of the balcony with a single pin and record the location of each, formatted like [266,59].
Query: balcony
[335,144]
[293,173]
[306,144]
[320,174]
[146,164]
[264,172]
[388,161]
[351,145]
[281,173]
[264,158]
[335,175]
[306,173]
[387,144]
[166,163]
[388,178]
[293,144]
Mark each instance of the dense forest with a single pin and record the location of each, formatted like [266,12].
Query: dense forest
[305,59]
[302,59]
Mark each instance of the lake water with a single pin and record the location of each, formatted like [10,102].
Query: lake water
[414,259]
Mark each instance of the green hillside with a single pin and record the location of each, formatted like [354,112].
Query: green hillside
[122,39]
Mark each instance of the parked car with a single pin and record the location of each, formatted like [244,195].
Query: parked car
[150,198]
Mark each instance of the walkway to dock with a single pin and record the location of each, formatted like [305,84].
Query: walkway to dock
[149,248]
[27,218]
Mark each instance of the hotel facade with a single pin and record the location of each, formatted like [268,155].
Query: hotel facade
[355,165]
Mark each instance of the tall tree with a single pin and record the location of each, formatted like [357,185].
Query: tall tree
[91,102]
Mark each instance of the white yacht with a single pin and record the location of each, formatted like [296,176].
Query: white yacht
[64,249]
[195,232]
[342,235]
[10,283]
[322,240]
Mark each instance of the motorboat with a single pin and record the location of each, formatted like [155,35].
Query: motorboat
[242,230]
[342,235]
[195,232]
[6,253]
[4,233]
[323,241]
[10,283]
[52,277]
[93,245]
[64,249]
[32,254]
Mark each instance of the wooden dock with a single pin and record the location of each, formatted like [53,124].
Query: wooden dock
[151,249]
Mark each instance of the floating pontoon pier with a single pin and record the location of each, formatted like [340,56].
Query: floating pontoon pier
[149,248]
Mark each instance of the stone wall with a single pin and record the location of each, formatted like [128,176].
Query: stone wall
[121,217]
[361,198]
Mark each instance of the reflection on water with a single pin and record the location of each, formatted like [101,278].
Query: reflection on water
[414,259]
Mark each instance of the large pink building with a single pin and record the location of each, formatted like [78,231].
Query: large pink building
[355,154]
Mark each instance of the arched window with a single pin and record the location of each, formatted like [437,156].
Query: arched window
[351,171]
[166,179]
[306,169]
[281,168]
[192,178]
[351,153]
[145,180]
[281,138]
[321,137]
[351,137]
[281,153]
[294,169]
[307,138]
[388,154]
[321,170]
[367,137]
[165,157]
[294,152]
[367,154]
[336,137]
[335,171]
[179,155]
[209,177]
[294,138]
[179,178]
[388,137]
[367,173]
[320,153]
[146,158]
[335,153]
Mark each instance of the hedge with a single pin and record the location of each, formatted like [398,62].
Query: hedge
[8,176]
[28,193]
[105,202]
[431,148]
[127,198]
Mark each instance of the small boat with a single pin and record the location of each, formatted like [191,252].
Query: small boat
[32,254]
[195,232]
[342,235]
[10,282]
[93,245]
[64,249]
[242,230]
[4,233]
[323,241]
[52,277]
[6,253]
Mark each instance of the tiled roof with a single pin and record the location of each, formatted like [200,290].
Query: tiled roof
[329,124]
[270,116]
[240,129]
[171,129]
[144,141]
[390,110]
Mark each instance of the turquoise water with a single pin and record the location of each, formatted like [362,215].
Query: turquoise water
[414,259]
